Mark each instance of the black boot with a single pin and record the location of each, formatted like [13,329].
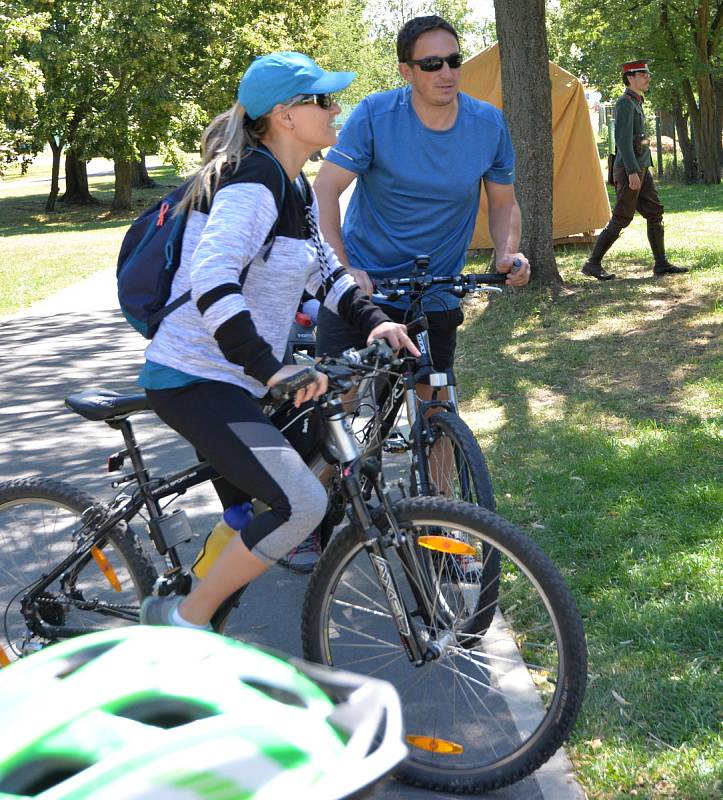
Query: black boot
[656,237]
[593,266]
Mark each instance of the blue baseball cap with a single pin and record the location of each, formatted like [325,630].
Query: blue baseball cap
[278,77]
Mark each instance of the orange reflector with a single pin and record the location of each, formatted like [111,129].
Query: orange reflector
[106,568]
[4,660]
[434,745]
[447,545]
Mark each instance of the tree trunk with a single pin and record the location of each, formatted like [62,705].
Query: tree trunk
[719,118]
[708,145]
[686,148]
[76,181]
[57,149]
[141,178]
[527,100]
[123,184]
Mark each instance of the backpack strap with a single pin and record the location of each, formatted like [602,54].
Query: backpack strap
[266,247]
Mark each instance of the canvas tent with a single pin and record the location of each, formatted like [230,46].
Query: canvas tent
[579,199]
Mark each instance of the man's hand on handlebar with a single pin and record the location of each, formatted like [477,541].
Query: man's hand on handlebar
[363,281]
[516,267]
[309,391]
[395,335]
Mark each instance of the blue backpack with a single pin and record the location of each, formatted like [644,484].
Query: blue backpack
[150,256]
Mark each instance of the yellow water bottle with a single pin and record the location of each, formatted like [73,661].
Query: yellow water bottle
[235,519]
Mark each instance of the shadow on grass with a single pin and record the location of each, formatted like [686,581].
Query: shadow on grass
[26,213]
[611,466]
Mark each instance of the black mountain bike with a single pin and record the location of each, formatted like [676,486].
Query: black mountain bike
[434,426]
[482,707]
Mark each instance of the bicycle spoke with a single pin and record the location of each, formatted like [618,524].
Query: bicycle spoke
[494,648]
[38,532]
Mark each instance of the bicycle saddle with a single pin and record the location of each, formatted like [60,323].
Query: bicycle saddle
[103,404]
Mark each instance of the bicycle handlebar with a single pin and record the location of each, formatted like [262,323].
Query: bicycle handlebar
[378,353]
[459,285]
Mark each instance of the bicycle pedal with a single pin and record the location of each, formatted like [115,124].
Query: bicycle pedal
[395,443]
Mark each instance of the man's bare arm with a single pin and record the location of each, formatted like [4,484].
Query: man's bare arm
[329,185]
[505,224]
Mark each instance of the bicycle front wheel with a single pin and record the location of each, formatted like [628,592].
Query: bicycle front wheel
[477,716]
[39,522]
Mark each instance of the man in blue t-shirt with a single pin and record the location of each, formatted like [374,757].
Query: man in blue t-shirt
[419,155]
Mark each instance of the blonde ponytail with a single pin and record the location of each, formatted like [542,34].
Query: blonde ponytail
[224,144]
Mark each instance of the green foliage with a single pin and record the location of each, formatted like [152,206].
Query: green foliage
[361,37]
[118,78]
[681,38]
[20,82]
[592,38]
[122,77]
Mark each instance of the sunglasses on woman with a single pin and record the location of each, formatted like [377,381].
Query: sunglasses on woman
[434,63]
[325,101]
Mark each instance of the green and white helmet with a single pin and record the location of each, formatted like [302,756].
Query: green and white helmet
[177,714]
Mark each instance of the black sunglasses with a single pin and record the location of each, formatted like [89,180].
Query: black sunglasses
[325,101]
[434,63]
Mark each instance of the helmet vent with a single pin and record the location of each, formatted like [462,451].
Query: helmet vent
[285,696]
[165,712]
[75,661]
[39,775]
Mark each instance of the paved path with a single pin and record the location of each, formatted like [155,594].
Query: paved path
[77,339]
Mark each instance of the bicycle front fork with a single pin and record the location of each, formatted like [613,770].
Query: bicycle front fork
[418,650]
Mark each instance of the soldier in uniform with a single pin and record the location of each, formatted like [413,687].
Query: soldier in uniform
[633,182]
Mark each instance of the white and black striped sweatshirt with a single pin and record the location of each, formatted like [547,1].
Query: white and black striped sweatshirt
[237,325]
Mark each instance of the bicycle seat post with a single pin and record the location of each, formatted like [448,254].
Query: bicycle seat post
[139,467]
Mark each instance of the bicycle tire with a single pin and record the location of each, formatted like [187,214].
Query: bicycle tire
[37,519]
[468,481]
[510,715]
[471,481]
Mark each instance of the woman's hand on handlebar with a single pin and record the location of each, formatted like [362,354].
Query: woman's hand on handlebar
[310,391]
[395,335]
[516,267]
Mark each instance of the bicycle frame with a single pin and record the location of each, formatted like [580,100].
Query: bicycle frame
[340,448]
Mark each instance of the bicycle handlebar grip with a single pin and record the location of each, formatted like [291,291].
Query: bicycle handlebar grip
[290,386]
[379,348]
[486,277]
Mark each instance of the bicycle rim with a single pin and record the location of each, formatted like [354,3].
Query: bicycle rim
[38,524]
[487,712]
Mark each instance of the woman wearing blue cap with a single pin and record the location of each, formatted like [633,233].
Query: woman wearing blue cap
[250,248]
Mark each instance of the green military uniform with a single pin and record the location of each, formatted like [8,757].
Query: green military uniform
[630,128]
[632,156]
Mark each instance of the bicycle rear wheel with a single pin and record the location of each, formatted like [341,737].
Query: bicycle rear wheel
[39,520]
[480,717]
[458,471]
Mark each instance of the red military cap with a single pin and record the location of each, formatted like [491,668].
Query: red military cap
[635,66]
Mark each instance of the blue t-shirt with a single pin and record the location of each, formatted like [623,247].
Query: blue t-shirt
[418,189]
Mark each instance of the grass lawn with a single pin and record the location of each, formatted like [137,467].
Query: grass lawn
[41,253]
[601,413]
